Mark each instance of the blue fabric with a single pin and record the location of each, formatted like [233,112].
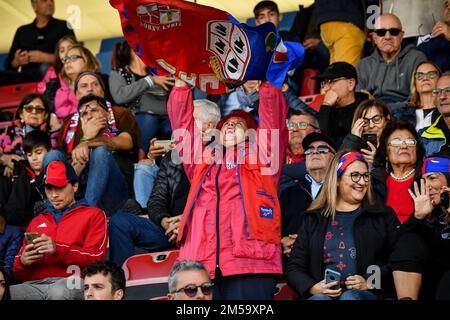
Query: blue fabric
[437,50]
[57,214]
[144,178]
[245,287]
[127,231]
[10,243]
[347,295]
[149,125]
[339,245]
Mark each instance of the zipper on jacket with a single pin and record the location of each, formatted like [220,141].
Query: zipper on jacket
[217,272]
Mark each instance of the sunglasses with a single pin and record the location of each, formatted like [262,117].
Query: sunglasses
[393,32]
[302,125]
[320,149]
[72,58]
[399,142]
[30,108]
[426,75]
[438,92]
[329,82]
[356,176]
[375,120]
[192,290]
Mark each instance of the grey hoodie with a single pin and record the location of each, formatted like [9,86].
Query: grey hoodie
[389,79]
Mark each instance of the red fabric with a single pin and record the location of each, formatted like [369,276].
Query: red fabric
[398,197]
[251,123]
[294,157]
[81,238]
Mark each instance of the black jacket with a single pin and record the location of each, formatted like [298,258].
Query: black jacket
[375,235]
[170,190]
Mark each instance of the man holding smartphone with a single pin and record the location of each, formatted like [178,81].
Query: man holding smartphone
[71,234]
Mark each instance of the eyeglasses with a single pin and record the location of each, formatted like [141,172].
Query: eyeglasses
[393,31]
[375,120]
[437,91]
[192,290]
[399,142]
[319,149]
[356,176]
[91,106]
[72,58]
[302,125]
[329,82]
[30,109]
[426,75]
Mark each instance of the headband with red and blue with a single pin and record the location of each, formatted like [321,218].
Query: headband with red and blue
[347,159]
[436,164]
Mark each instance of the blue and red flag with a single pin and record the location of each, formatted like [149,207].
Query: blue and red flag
[205,46]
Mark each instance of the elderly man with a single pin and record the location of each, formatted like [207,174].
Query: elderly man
[66,234]
[436,138]
[294,200]
[34,45]
[338,82]
[387,72]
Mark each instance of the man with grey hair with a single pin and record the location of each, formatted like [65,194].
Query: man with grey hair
[185,280]
[387,72]
[166,198]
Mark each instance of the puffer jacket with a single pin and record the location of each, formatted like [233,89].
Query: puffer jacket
[166,183]
[10,242]
[381,78]
[231,222]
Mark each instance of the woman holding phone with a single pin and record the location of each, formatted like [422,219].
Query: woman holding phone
[369,120]
[345,231]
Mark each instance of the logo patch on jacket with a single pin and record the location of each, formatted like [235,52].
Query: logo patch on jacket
[266,212]
[42,225]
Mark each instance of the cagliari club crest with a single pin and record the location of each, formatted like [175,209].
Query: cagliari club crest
[231,50]
[154,17]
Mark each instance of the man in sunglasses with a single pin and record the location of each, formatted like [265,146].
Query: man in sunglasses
[294,200]
[436,137]
[387,72]
[189,280]
[338,83]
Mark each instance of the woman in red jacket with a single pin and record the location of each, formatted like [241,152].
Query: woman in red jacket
[231,222]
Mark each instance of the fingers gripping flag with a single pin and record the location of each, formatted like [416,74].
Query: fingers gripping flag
[205,46]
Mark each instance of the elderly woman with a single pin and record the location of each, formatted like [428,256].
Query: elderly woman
[371,116]
[397,162]
[421,109]
[346,231]
[424,239]
[33,113]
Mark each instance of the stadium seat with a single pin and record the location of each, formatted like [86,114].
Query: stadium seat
[149,268]
[2,60]
[105,61]
[107,45]
[309,85]
[284,292]
[10,96]
[314,101]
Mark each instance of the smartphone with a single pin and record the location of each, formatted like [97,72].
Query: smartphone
[164,143]
[445,200]
[30,236]
[332,276]
[369,137]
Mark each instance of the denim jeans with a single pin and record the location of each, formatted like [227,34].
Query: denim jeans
[149,125]
[347,295]
[49,289]
[106,186]
[144,178]
[127,231]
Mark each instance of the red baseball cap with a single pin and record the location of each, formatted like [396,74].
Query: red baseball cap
[58,174]
[251,123]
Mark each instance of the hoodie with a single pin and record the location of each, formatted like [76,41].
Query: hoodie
[392,79]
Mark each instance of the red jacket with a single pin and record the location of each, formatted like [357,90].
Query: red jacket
[231,205]
[81,238]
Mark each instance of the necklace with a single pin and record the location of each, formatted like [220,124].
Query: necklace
[405,177]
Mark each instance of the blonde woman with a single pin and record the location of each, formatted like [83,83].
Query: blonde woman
[346,232]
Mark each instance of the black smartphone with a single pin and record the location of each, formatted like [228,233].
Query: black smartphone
[369,137]
[332,276]
[445,200]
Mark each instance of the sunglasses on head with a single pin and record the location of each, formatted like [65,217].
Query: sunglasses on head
[393,32]
[191,290]
[30,108]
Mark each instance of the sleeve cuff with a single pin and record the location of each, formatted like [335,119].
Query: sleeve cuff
[150,81]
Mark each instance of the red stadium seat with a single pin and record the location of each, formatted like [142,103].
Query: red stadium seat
[314,101]
[309,85]
[10,96]
[149,268]
[284,292]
